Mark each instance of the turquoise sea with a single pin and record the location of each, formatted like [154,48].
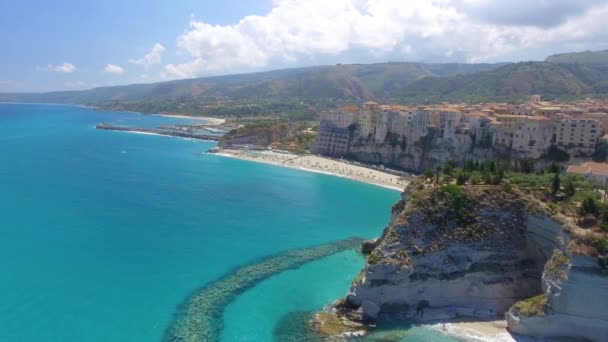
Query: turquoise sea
[105,235]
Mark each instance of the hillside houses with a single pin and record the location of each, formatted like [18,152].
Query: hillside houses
[528,130]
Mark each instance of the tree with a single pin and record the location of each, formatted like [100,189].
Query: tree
[601,152]
[428,173]
[448,168]
[589,206]
[555,185]
[462,178]
[437,174]
[553,168]
[469,166]
[569,187]
[526,165]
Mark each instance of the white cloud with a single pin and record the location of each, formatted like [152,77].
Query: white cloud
[66,68]
[152,57]
[113,69]
[527,13]
[312,31]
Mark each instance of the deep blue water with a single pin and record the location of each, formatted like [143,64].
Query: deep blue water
[103,234]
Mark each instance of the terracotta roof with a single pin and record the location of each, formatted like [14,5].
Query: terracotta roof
[577,169]
[350,109]
[538,118]
[589,167]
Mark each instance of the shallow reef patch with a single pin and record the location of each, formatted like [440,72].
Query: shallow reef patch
[199,317]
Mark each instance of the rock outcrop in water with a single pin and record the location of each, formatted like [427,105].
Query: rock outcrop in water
[488,249]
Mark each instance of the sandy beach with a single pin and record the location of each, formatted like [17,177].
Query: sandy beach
[322,165]
[479,331]
[209,120]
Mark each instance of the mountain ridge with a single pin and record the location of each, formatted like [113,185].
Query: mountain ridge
[299,93]
[370,78]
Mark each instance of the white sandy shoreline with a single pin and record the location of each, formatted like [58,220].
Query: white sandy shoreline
[208,119]
[321,165]
[478,331]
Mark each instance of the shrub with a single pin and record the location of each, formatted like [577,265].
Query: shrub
[373,259]
[462,178]
[535,306]
[428,174]
[553,208]
[448,168]
[558,265]
[604,223]
[569,187]
[458,202]
[476,178]
[601,245]
[589,206]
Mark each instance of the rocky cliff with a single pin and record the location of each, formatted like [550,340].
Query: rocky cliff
[257,135]
[428,152]
[485,250]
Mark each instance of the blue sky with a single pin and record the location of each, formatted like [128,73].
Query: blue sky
[92,34]
[66,44]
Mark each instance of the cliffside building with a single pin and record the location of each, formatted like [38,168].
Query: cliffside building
[580,135]
[400,136]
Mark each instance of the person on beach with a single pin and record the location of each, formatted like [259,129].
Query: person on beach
[420,311]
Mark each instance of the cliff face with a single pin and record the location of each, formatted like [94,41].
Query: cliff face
[482,248]
[576,304]
[257,135]
[420,155]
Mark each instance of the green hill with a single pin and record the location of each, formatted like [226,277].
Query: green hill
[285,92]
[510,82]
[585,57]
[300,93]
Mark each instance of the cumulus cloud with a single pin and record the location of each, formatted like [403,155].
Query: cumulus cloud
[540,13]
[66,68]
[113,69]
[152,57]
[299,32]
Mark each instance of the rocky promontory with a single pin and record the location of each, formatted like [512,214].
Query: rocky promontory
[494,249]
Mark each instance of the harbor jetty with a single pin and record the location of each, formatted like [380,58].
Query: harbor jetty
[160,131]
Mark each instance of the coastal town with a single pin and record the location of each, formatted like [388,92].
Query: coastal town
[301,170]
[386,144]
[419,137]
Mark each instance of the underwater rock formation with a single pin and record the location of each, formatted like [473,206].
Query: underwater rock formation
[199,318]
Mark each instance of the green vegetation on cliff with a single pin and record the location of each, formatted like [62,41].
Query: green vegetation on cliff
[535,306]
[450,202]
[292,137]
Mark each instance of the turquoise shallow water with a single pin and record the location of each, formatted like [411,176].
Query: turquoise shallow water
[104,234]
